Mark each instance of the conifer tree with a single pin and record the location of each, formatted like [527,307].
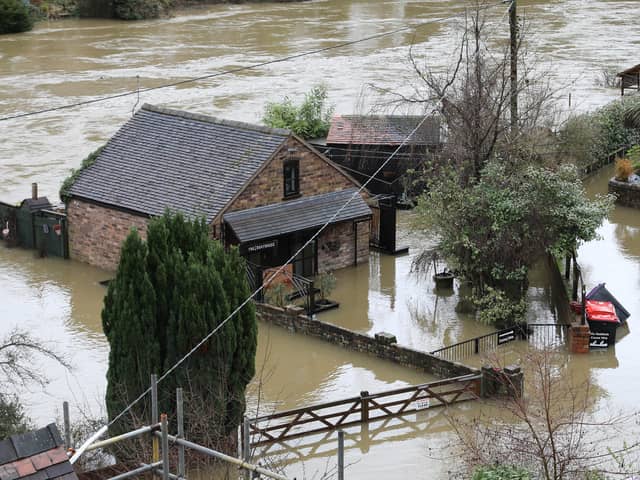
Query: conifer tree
[194,285]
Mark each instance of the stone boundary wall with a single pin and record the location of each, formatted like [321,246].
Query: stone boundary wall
[627,194]
[292,319]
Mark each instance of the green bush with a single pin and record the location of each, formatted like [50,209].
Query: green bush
[495,308]
[138,9]
[13,420]
[75,173]
[14,17]
[501,473]
[310,119]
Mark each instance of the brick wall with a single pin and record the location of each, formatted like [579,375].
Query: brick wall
[292,320]
[627,194]
[336,246]
[96,233]
[316,176]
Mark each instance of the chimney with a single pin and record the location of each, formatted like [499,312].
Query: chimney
[34,191]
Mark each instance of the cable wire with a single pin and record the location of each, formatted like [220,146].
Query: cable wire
[235,70]
[279,270]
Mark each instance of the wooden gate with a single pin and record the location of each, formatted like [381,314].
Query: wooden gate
[365,408]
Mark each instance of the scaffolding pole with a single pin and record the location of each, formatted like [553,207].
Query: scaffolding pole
[223,457]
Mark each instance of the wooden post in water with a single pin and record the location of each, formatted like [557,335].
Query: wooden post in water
[340,455]
[364,406]
[67,425]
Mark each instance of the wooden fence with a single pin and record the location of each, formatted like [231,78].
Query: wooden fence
[356,410]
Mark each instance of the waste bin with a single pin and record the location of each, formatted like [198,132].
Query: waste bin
[603,323]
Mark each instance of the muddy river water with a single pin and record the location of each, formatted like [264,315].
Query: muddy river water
[72,61]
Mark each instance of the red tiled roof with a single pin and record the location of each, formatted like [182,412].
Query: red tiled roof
[36,455]
[382,130]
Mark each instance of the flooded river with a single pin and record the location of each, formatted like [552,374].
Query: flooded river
[77,60]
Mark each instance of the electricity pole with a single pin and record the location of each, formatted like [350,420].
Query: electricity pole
[513,30]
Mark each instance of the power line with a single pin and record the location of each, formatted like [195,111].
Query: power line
[279,270]
[234,70]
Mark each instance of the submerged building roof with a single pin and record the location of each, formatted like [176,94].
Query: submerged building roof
[296,215]
[163,158]
[35,455]
[383,130]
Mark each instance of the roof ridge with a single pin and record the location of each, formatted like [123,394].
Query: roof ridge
[354,115]
[218,121]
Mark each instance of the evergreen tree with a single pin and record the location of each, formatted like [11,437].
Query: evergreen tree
[194,284]
[128,321]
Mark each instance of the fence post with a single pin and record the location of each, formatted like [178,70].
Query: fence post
[340,455]
[364,406]
[67,425]
[476,345]
[180,420]
[165,446]
[311,298]
[154,415]
[246,445]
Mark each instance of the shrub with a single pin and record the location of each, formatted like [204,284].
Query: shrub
[14,17]
[326,284]
[137,9]
[309,120]
[500,473]
[624,169]
[633,154]
[75,173]
[276,294]
[495,308]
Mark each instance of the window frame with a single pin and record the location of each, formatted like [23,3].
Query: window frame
[291,165]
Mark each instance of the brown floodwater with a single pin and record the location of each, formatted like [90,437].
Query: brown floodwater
[76,60]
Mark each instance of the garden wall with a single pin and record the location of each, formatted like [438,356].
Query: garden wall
[292,319]
[627,194]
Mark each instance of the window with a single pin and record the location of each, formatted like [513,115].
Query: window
[291,174]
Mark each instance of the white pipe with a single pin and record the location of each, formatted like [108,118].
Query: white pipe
[86,444]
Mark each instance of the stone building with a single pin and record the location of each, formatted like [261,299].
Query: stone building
[263,189]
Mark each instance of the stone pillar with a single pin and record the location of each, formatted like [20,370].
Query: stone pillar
[579,336]
[514,381]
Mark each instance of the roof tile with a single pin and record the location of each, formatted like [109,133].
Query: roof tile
[296,215]
[24,467]
[7,452]
[58,470]
[58,455]
[186,162]
[8,472]
[383,130]
[41,461]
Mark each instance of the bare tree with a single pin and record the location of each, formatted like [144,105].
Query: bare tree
[551,431]
[473,97]
[18,370]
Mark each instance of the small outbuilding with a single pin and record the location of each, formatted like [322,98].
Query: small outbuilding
[263,189]
[362,143]
[629,78]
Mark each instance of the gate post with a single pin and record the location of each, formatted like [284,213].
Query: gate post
[364,406]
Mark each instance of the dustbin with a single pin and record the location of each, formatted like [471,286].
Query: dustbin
[603,323]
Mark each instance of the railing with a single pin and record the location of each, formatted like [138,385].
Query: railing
[610,158]
[302,286]
[539,335]
[365,408]
[484,343]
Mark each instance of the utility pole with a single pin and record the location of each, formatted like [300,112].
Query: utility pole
[513,30]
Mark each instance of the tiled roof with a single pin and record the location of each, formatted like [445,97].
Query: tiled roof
[186,162]
[35,455]
[296,215]
[382,130]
